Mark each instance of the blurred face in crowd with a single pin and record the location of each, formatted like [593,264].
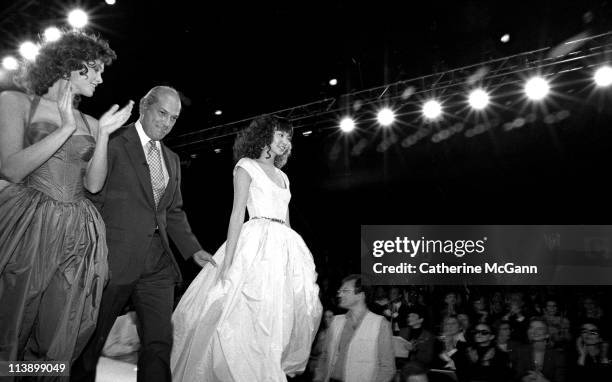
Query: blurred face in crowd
[515,302]
[483,335]
[380,293]
[537,332]
[394,294]
[503,333]
[590,334]
[328,316]
[479,304]
[464,321]
[589,304]
[414,320]
[450,299]
[551,308]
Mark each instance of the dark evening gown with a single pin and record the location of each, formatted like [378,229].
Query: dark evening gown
[53,252]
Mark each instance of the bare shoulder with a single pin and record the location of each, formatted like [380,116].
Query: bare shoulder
[14,107]
[14,94]
[14,100]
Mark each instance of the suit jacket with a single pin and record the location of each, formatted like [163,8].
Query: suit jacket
[128,208]
[423,351]
[554,367]
[400,321]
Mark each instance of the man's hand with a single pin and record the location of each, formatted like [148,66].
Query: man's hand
[409,346]
[202,257]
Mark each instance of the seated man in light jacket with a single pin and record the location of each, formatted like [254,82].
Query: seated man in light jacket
[358,345]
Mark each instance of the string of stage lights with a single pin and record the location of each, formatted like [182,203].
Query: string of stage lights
[437,105]
[442,104]
[76,18]
[28,50]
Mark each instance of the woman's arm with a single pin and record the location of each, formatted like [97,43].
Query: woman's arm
[242,181]
[98,167]
[17,162]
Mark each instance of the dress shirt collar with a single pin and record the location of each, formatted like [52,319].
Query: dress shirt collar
[144,138]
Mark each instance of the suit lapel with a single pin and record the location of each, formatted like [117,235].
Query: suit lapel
[139,161]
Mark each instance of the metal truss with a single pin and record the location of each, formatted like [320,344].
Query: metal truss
[574,55]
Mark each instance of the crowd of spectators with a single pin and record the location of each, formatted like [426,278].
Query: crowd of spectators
[490,333]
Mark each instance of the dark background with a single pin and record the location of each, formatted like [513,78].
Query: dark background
[258,57]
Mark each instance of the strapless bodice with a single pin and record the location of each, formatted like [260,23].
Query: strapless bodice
[60,177]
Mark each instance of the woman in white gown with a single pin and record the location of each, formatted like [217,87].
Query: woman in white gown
[253,317]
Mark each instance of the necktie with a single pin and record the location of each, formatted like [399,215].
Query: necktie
[155,169]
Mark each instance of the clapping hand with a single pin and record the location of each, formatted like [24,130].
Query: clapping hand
[64,105]
[114,118]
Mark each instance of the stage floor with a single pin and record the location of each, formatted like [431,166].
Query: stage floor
[116,370]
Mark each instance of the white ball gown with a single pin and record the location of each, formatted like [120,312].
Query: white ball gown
[259,323]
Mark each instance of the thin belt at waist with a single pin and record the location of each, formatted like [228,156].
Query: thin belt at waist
[267,218]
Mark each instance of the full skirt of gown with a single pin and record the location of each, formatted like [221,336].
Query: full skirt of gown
[256,325]
[53,268]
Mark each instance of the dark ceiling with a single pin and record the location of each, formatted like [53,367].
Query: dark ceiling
[248,58]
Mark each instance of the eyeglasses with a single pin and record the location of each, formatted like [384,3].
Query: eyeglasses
[482,332]
[590,331]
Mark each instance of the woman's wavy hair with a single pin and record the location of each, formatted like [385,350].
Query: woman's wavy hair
[259,135]
[74,50]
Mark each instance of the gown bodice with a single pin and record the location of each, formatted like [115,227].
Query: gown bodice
[61,176]
[266,198]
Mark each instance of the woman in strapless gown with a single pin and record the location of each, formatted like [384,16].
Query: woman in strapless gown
[53,263]
[253,317]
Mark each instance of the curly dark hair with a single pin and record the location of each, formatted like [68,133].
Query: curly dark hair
[75,50]
[259,134]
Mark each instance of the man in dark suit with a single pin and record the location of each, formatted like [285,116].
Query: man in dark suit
[141,205]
